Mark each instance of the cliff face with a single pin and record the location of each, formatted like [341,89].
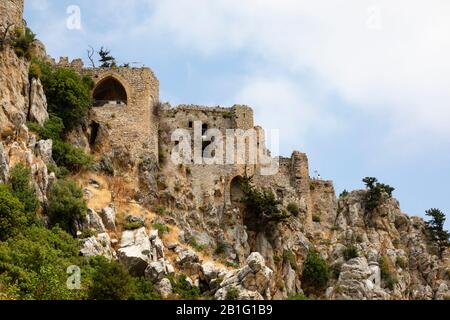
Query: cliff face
[189,228]
[21,100]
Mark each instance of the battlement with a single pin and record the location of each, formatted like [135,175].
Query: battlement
[124,102]
[11,12]
[183,116]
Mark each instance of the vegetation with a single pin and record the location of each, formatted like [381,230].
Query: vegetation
[21,40]
[376,193]
[66,156]
[66,206]
[133,225]
[316,218]
[183,288]
[316,273]
[195,245]
[33,264]
[289,257]
[387,273]
[298,296]
[436,230]
[110,281]
[34,71]
[350,252]
[401,262]
[344,194]
[20,184]
[106,59]
[220,248]
[68,94]
[232,293]
[261,205]
[12,215]
[162,228]
[293,209]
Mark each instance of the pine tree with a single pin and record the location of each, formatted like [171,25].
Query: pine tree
[107,61]
[436,229]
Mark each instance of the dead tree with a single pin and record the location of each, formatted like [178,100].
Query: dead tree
[91,53]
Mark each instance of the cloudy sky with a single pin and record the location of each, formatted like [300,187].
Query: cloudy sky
[363,87]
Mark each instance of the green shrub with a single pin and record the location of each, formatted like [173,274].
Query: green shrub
[66,205]
[33,264]
[66,156]
[350,252]
[232,264]
[316,273]
[436,231]
[289,257]
[220,248]
[161,211]
[298,296]
[316,218]
[293,209]
[261,205]
[387,273]
[21,42]
[133,225]
[144,290]
[60,172]
[195,245]
[343,194]
[35,71]
[162,228]
[12,217]
[232,293]
[375,192]
[183,288]
[68,95]
[110,281]
[72,158]
[20,184]
[401,262]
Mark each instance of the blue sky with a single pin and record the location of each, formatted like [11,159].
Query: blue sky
[361,86]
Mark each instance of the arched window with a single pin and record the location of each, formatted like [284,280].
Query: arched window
[109,91]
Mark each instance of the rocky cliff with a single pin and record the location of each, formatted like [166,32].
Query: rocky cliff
[381,254]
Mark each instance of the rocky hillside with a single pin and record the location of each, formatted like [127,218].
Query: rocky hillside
[349,251]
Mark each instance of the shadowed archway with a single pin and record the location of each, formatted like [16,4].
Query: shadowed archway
[109,90]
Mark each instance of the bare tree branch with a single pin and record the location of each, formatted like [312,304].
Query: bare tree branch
[91,53]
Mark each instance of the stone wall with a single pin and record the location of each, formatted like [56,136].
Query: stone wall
[134,126]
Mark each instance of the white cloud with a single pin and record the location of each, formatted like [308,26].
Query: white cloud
[400,70]
[282,105]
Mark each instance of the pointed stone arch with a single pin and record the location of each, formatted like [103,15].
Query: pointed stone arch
[111,89]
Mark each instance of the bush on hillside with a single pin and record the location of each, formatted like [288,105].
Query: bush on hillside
[66,206]
[12,217]
[21,187]
[316,273]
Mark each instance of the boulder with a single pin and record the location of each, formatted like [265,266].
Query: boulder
[155,271]
[251,282]
[93,221]
[97,246]
[186,257]
[108,215]
[4,164]
[256,261]
[164,287]
[38,103]
[135,251]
